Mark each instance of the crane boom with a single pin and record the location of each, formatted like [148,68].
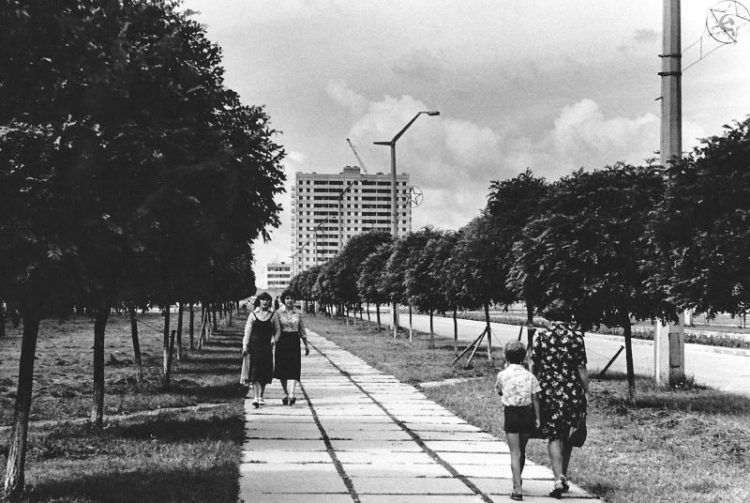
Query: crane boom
[356,154]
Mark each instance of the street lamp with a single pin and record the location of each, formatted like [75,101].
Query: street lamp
[392,144]
[394,206]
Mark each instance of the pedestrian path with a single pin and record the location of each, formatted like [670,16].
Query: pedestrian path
[359,435]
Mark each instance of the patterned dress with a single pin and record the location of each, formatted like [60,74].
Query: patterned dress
[556,356]
[288,361]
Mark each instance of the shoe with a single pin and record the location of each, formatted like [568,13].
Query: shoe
[292,400]
[285,400]
[261,401]
[516,496]
[557,491]
[255,403]
[565,485]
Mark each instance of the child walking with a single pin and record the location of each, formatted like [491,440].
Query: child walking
[518,389]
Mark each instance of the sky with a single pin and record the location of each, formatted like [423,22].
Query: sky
[549,85]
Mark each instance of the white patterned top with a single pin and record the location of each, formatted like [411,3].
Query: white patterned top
[515,385]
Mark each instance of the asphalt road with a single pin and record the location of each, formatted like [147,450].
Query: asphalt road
[726,372]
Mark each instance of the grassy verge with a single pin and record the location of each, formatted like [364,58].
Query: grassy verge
[671,446]
[180,455]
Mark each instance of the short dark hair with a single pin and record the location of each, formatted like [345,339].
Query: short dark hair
[515,351]
[287,293]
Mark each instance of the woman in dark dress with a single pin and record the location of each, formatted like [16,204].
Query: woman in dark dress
[257,348]
[290,330]
[559,363]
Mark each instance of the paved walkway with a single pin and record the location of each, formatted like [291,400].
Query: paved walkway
[358,435]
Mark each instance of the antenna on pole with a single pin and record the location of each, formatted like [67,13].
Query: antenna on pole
[356,154]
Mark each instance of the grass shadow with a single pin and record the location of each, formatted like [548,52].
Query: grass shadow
[217,483]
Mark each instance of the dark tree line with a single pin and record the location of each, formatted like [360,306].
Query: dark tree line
[129,174]
[609,246]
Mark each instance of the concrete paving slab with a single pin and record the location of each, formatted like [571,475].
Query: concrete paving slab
[283,445]
[395,446]
[429,471]
[530,471]
[492,446]
[388,458]
[401,485]
[411,498]
[531,487]
[475,458]
[273,456]
[259,497]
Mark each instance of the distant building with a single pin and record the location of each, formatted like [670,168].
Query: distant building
[328,209]
[278,276]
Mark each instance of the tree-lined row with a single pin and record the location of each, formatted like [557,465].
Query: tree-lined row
[608,246]
[128,173]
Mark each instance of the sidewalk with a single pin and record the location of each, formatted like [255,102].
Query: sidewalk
[358,435]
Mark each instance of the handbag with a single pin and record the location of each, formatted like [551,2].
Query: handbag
[578,432]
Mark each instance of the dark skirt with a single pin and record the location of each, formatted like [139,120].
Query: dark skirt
[288,361]
[261,363]
[520,419]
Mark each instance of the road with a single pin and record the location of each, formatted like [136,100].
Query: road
[726,372]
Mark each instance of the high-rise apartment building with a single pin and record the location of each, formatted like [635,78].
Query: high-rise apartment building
[328,209]
[278,276]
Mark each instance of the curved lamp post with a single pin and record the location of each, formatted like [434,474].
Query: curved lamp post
[392,144]
[394,192]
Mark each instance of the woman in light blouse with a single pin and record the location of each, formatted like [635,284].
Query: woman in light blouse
[290,329]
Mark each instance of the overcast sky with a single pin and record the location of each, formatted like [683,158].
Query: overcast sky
[550,85]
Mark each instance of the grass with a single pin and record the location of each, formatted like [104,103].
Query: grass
[689,444]
[145,453]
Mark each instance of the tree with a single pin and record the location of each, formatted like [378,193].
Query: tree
[370,277]
[422,279]
[392,281]
[510,205]
[702,227]
[479,270]
[349,263]
[589,253]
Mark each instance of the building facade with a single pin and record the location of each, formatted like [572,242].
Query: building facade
[278,276]
[328,209]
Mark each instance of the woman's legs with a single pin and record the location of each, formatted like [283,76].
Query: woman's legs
[555,449]
[286,393]
[256,390]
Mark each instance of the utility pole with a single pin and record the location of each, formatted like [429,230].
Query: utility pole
[669,339]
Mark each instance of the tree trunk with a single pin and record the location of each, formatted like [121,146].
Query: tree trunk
[489,330]
[165,349]
[628,332]
[2,318]
[180,312]
[100,324]
[530,328]
[192,326]
[455,331]
[14,472]
[432,332]
[377,315]
[168,373]
[411,326]
[216,322]
[369,320]
[136,343]
[204,327]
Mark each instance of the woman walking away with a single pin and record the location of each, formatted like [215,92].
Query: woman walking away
[257,367]
[559,362]
[518,389]
[290,329]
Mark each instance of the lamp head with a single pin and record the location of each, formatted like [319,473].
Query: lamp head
[432,113]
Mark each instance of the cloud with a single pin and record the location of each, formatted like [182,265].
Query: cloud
[341,94]
[419,65]
[582,133]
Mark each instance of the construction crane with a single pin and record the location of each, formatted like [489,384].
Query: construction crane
[356,154]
